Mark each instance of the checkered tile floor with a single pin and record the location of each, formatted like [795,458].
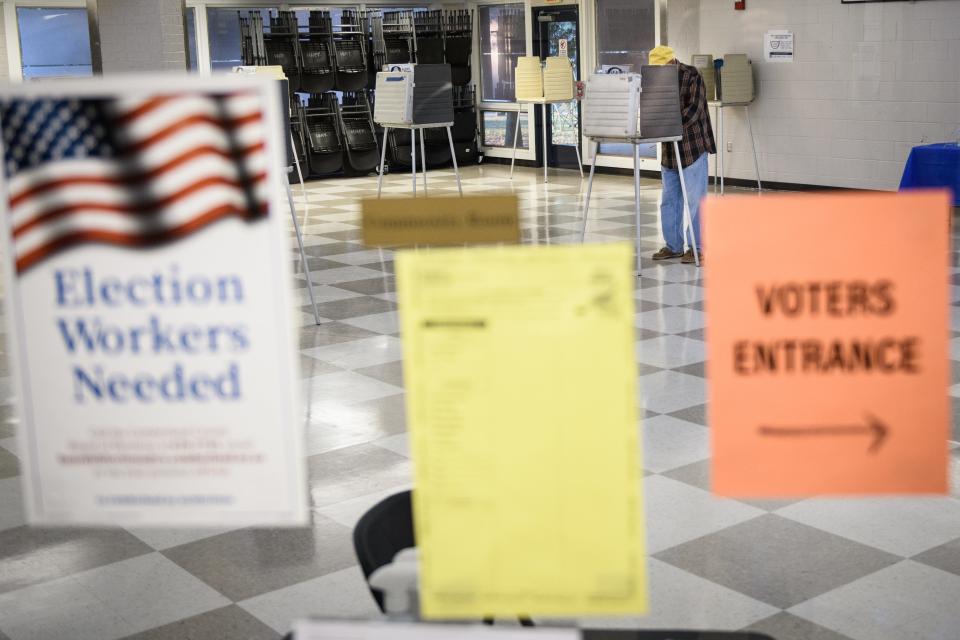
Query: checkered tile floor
[808,569]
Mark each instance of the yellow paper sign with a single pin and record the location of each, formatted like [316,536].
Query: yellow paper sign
[404,222]
[521,391]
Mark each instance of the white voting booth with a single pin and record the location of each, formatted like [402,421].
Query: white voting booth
[415,97]
[638,109]
[543,84]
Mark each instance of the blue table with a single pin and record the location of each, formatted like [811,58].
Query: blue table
[933,165]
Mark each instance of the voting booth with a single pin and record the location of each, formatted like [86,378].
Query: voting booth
[734,89]
[558,79]
[415,97]
[736,79]
[610,105]
[551,82]
[660,104]
[703,62]
[421,95]
[637,109]
[528,77]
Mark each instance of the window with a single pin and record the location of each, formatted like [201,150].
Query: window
[498,128]
[191,21]
[54,43]
[503,39]
[626,32]
[223,28]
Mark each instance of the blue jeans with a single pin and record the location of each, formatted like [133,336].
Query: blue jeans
[671,206]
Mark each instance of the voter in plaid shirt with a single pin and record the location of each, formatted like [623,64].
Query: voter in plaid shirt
[696,145]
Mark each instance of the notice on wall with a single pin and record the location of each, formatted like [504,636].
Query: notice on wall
[562,47]
[148,302]
[521,391]
[403,222]
[828,358]
[778,46]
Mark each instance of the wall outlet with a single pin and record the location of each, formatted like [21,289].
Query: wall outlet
[729,147]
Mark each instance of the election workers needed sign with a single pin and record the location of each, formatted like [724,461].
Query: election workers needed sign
[147,295]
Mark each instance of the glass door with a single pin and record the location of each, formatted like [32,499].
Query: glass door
[556,33]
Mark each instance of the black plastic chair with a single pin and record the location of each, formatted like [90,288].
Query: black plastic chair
[383,531]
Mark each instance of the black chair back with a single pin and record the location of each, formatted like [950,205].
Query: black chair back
[383,531]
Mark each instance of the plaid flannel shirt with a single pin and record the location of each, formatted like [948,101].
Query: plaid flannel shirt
[697,132]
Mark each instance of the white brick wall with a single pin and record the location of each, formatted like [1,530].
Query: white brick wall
[4,66]
[142,35]
[869,82]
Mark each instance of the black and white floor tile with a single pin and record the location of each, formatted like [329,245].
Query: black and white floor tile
[798,570]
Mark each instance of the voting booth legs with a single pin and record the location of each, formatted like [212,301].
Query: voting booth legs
[720,168]
[303,255]
[303,186]
[516,136]
[687,222]
[296,226]
[413,158]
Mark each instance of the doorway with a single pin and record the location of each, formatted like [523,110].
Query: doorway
[556,32]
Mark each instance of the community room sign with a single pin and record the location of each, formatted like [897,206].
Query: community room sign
[828,358]
[147,295]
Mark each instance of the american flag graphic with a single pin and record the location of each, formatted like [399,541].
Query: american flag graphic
[133,172]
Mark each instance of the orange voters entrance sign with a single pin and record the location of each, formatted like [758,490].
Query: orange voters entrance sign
[827,338]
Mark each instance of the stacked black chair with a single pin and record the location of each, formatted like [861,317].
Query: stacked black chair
[399,37]
[316,51]
[376,54]
[464,130]
[437,147]
[355,118]
[251,39]
[458,44]
[428,26]
[398,148]
[282,46]
[324,145]
[350,54]
[330,135]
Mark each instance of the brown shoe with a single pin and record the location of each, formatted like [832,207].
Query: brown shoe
[688,257]
[666,253]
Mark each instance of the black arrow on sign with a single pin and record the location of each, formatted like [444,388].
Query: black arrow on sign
[873,427]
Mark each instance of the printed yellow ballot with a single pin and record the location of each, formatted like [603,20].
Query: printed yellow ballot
[521,390]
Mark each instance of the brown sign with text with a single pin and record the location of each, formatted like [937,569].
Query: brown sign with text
[402,222]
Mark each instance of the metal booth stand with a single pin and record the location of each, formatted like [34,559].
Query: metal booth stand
[296,227]
[636,142]
[292,153]
[719,169]
[413,154]
[516,134]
